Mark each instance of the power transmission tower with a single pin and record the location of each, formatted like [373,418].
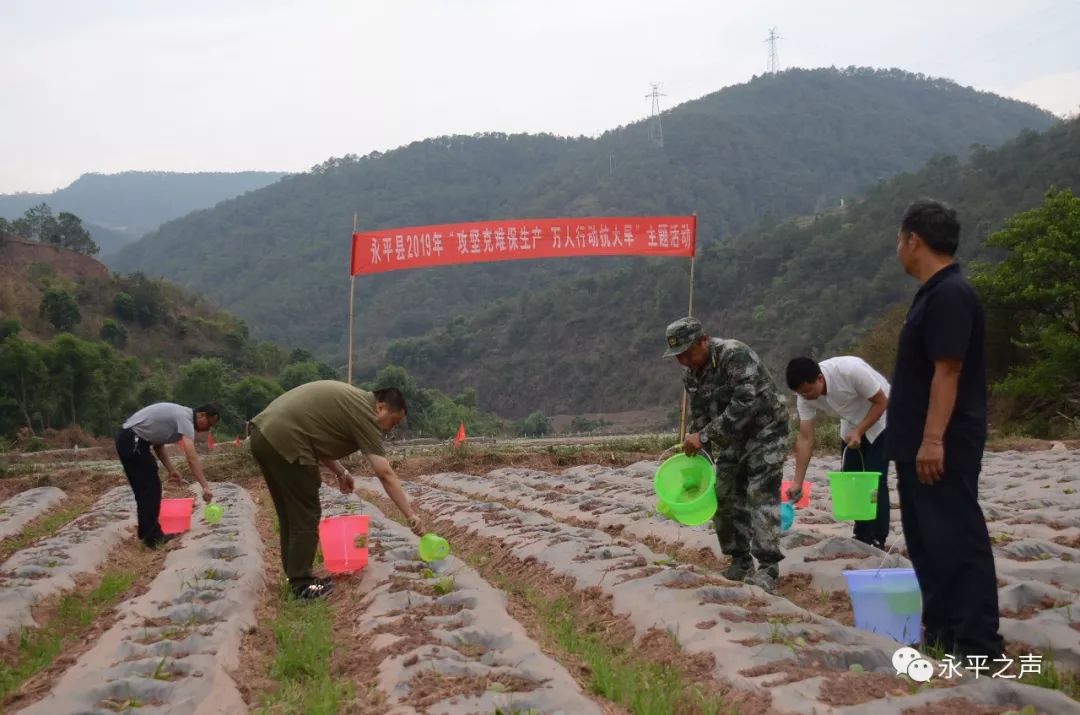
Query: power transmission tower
[656,128]
[774,59]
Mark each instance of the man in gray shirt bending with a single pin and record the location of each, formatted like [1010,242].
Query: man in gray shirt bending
[153,427]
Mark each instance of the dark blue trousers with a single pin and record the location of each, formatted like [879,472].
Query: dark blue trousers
[141,468]
[949,546]
[872,455]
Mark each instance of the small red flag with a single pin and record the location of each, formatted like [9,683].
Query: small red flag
[210,440]
[237,441]
[460,434]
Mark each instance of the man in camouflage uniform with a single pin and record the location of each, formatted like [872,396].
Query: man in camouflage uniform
[738,416]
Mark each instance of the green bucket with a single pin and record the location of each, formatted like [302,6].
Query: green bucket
[854,494]
[687,486]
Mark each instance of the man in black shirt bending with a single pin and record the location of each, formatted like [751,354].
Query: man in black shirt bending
[937,431]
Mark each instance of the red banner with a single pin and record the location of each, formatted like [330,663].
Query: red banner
[512,240]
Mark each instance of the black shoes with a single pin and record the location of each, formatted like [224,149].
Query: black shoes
[312,591]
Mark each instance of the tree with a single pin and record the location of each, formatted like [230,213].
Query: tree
[60,308]
[69,233]
[141,300]
[111,398]
[251,395]
[261,358]
[202,380]
[113,333]
[468,398]
[65,230]
[300,355]
[536,425]
[9,327]
[155,389]
[124,306]
[1036,289]
[37,224]
[298,374]
[72,364]
[23,377]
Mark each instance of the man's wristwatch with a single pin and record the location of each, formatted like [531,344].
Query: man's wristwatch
[703,437]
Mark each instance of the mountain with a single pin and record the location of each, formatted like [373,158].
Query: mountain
[118,208]
[777,146]
[808,286]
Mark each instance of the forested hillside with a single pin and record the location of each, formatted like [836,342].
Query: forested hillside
[780,145]
[807,286]
[82,348]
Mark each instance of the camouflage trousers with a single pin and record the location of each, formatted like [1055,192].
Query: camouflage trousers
[748,477]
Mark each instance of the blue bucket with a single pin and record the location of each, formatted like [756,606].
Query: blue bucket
[887,602]
[787,515]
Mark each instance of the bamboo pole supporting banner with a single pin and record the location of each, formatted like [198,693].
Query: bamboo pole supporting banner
[352,296]
[689,311]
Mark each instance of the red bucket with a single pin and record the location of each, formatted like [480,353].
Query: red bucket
[804,501]
[175,515]
[344,543]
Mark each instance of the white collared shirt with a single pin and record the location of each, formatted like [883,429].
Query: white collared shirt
[849,385]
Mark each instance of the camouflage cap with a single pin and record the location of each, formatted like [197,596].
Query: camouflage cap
[681,334]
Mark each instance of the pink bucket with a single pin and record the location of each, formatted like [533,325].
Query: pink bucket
[175,515]
[344,543]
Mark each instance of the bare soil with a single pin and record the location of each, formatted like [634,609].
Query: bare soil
[957,706]
[74,481]
[130,556]
[836,605]
[259,647]
[495,561]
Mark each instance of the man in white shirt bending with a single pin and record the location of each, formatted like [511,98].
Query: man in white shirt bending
[848,388]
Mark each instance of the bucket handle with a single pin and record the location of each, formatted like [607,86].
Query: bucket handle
[700,451]
[887,553]
[861,457]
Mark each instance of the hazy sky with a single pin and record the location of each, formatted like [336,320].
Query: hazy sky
[109,85]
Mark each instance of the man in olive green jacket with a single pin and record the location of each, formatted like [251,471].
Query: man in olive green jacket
[320,423]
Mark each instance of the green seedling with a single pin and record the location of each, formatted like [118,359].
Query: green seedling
[119,706]
[174,633]
[445,585]
[427,573]
[776,632]
[160,673]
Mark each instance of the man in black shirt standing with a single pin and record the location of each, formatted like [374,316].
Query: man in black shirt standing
[937,431]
